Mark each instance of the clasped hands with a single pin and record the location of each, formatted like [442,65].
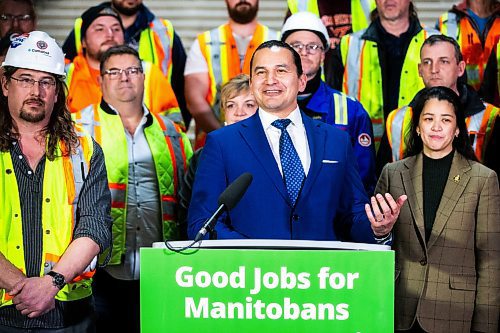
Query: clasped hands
[34,296]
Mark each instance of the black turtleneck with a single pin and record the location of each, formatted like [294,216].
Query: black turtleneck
[435,175]
[304,97]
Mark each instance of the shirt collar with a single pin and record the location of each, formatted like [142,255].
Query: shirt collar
[109,109]
[267,118]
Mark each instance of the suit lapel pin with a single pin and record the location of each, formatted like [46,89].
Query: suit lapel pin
[456,179]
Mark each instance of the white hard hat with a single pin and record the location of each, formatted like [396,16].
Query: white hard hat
[35,50]
[305,21]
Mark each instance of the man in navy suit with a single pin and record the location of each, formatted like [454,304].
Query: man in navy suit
[331,203]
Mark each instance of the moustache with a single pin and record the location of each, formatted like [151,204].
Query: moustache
[34,100]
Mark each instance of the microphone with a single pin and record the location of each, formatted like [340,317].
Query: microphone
[227,200]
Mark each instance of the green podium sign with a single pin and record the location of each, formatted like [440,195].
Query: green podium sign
[271,290]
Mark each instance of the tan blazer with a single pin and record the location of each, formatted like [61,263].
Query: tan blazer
[452,283]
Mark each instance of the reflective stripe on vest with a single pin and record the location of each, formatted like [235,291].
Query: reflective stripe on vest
[353,49]
[172,112]
[221,54]
[448,24]
[363,78]
[340,102]
[480,126]
[78,35]
[146,67]
[398,123]
[69,69]
[475,54]
[167,152]
[360,10]
[303,6]
[61,194]
[156,43]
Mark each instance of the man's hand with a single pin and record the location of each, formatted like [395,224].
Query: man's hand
[383,212]
[34,296]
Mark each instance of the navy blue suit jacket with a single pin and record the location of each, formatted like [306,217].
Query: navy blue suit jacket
[330,205]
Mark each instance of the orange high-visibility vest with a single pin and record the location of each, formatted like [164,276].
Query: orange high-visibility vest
[220,51]
[475,53]
[83,90]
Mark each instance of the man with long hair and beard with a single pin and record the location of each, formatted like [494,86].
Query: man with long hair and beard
[54,202]
[218,55]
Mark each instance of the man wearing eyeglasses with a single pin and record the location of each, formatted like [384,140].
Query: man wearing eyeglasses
[16,16]
[146,155]
[54,199]
[101,29]
[306,33]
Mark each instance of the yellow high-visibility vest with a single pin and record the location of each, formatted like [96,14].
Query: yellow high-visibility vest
[155,44]
[360,10]
[171,150]
[363,76]
[62,183]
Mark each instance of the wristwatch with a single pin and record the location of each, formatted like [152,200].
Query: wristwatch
[57,279]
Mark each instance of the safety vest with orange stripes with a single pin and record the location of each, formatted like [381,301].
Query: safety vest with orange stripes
[62,183]
[170,149]
[220,51]
[480,127]
[363,76]
[155,44]
[475,50]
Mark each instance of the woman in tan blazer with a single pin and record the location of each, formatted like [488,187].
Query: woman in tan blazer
[447,238]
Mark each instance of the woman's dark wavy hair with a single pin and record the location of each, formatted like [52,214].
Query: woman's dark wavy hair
[60,126]
[461,143]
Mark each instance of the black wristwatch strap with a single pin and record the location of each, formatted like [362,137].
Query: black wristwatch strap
[57,279]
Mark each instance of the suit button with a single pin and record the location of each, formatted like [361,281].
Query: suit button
[295,217]
[423,262]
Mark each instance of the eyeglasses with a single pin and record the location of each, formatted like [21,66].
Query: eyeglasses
[20,18]
[116,73]
[310,48]
[26,83]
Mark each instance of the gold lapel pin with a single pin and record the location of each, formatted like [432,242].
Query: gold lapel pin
[456,179]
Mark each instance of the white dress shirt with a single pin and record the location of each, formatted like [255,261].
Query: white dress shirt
[297,133]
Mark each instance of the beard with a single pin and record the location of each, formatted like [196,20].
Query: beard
[33,115]
[243,12]
[126,11]
[98,53]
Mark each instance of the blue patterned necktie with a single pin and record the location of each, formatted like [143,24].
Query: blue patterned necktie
[293,172]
